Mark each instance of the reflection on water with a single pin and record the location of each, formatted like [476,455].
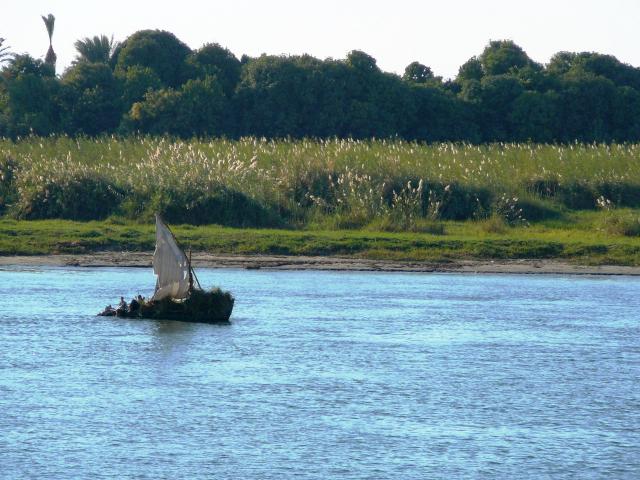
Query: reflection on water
[337,375]
[170,336]
[171,329]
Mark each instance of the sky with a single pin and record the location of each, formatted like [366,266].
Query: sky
[440,34]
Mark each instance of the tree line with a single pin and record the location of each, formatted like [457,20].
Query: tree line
[153,83]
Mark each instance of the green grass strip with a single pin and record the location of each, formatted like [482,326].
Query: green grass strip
[463,240]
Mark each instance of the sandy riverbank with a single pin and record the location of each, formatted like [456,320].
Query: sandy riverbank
[280,262]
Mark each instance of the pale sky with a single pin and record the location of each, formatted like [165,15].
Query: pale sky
[440,34]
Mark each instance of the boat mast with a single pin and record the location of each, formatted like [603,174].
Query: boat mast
[193,272]
[190,273]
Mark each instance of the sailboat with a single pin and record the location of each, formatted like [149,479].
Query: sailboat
[178,294]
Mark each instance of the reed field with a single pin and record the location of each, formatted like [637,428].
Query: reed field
[297,184]
[444,190]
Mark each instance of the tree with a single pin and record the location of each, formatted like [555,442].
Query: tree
[31,93]
[95,50]
[5,55]
[156,114]
[212,59]
[196,109]
[361,61]
[503,56]
[91,99]
[607,66]
[626,115]
[534,117]
[533,78]
[136,82]
[276,96]
[497,95]
[158,50]
[586,107]
[305,97]
[417,73]
[440,116]
[470,70]
[377,103]
[49,22]
[202,107]
[561,63]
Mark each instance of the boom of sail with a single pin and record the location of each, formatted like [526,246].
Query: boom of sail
[171,266]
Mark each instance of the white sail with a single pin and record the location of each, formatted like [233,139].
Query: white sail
[170,264]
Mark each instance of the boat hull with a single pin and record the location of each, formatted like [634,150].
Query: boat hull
[214,306]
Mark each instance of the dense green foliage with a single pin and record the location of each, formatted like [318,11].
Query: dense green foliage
[152,83]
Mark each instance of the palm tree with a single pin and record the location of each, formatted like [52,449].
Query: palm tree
[51,57]
[95,50]
[4,52]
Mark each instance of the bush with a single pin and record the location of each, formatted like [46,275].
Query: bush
[455,201]
[494,224]
[462,202]
[622,223]
[7,186]
[223,206]
[534,210]
[315,186]
[577,195]
[75,198]
[580,195]
[542,187]
[509,210]
[620,193]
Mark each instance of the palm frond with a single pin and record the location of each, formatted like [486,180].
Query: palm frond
[5,54]
[49,22]
[51,56]
[97,49]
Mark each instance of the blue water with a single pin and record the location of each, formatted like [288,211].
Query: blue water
[322,375]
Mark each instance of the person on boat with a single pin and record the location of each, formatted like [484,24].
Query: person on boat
[109,311]
[122,309]
[134,306]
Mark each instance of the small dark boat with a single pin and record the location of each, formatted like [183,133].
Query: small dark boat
[178,294]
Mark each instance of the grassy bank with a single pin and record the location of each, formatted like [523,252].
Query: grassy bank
[583,240]
[375,199]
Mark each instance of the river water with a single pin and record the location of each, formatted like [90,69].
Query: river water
[322,375]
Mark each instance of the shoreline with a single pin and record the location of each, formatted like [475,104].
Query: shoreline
[329,263]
